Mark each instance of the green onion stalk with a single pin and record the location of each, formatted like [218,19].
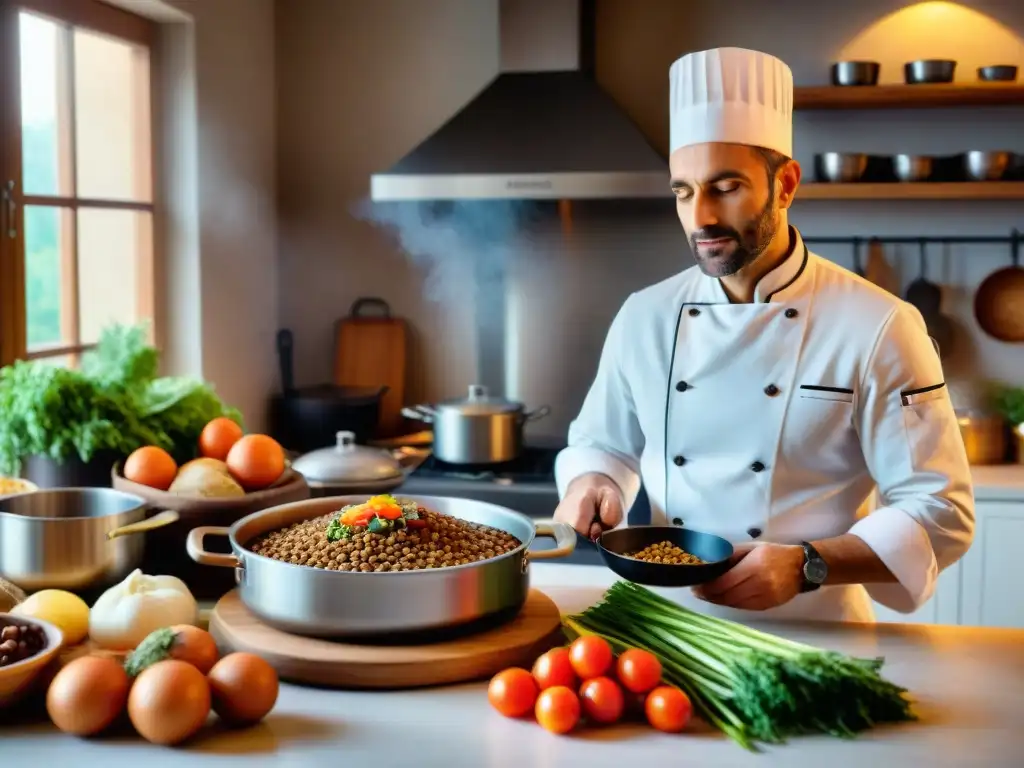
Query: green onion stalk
[751,685]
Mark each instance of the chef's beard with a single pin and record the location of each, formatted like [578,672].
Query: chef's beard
[750,243]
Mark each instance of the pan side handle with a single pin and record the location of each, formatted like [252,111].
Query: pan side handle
[563,534]
[194,546]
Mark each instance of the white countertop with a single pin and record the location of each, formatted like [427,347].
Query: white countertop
[969,705]
[998,482]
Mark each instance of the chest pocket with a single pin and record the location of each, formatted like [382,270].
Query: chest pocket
[819,427]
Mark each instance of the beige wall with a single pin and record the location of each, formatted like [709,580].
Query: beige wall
[361,83]
[216,125]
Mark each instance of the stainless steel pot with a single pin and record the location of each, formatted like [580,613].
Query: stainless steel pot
[321,603]
[980,165]
[912,167]
[929,71]
[73,538]
[478,430]
[855,72]
[841,167]
[348,468]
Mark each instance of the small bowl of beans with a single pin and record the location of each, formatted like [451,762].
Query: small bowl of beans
[27,646]
[665,555]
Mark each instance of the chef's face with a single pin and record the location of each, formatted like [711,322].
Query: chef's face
[727,199]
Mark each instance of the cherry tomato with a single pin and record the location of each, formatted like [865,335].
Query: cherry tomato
[558,709]
[638,670]
[668,709]
[513,692]
[554,668]
[591,656]
[602,700]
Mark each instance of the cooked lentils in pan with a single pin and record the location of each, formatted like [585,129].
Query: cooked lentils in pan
[667,553]
[443,541]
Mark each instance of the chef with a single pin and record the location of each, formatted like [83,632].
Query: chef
[765,394]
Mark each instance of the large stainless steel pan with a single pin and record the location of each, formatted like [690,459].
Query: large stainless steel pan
[73,538]
[321,603]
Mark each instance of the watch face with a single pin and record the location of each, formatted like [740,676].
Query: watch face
[815,571]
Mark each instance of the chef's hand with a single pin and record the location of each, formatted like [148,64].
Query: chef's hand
[592,504]
[764,576]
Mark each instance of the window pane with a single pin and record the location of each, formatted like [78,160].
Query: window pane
[48,277]
[44,108]
[59,361]
[112,120]
[114,269]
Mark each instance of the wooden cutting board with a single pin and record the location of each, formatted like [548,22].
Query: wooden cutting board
[371,351]
[349,665]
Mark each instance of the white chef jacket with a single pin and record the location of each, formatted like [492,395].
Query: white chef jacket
[774,421]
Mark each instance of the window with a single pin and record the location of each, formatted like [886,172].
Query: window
[76,162]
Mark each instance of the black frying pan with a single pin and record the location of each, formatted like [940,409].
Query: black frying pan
[713,550]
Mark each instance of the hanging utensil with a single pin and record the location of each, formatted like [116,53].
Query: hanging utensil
[858,267]
[878,270]
[927,297]
[999,302]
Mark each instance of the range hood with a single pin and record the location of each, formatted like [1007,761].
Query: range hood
[542,129]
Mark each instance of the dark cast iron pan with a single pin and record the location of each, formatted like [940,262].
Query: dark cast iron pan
[713,550]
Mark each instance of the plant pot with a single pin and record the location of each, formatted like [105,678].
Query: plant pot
[46,472]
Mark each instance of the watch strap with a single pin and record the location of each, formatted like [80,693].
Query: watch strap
[811,557]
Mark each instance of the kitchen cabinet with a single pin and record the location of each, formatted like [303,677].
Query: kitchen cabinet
[942,608]
[983,588]
[992,571]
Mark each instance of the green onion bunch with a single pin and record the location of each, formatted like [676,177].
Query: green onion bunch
[753,686]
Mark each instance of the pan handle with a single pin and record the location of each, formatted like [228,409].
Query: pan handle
[194,546]
[361,304]
[419,413]
[540,413]
[166,517]
[563,534]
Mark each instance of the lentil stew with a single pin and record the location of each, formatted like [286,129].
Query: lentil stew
[384,534]
[665,552]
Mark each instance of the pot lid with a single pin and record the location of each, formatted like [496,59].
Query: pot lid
[347,462]
[479,402]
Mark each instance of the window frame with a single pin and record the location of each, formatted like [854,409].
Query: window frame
[99,17]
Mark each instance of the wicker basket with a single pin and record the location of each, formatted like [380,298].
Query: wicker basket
[165,547]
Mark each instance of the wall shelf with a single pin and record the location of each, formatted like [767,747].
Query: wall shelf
[909,96]
[964,190]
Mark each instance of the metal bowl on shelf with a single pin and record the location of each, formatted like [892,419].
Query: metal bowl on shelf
[929,71]
[1002,73]
[912,167]
[985,165]
[841,166]
[855,72]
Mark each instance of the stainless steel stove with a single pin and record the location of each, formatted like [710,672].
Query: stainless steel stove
[526,485]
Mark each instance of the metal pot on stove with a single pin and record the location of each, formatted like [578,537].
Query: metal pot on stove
[480,429]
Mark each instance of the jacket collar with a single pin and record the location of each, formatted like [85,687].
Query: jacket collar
[788,278]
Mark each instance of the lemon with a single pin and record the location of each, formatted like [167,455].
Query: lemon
[67,611]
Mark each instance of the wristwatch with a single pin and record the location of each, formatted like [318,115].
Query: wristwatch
[815,568]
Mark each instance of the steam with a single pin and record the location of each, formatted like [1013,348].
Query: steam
[463,247]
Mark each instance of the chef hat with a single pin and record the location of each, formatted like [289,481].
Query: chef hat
[731,95]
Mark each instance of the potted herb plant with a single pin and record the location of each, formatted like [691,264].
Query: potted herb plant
[1009,403]
[63,427]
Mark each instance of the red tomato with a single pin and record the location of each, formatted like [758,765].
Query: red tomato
[513,692]
[591,656]
[554,668]
[638,670]
[668,709]
[558,709]
[602,700]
